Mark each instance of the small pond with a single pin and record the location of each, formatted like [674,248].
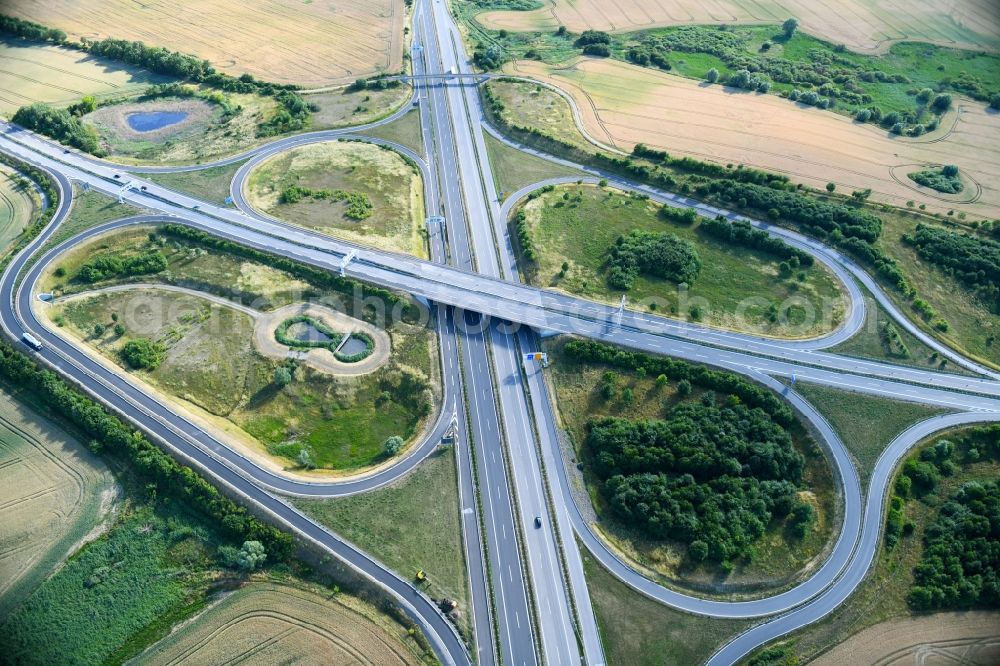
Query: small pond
[148,121]
[304,332]
[354,345]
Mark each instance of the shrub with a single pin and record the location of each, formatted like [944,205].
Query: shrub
[393,445]
[712,75]
[143,354]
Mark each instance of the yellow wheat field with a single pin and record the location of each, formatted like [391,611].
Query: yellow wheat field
[623,104]
[32,73]
[265,623]
[287,41]
[942,638]
[861,25]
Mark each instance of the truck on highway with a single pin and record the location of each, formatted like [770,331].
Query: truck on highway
[31,341]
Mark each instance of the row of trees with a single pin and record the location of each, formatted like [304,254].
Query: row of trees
[709,477]
[28,30]
[658,254]
[740,173]
[147,460]
[110,266]
[742,233]
[970,259]
[750,394]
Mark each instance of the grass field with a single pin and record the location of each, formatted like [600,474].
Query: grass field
[531,105]
[30,72]
[640,632]
[213,366]
[310,44]
[861,25]
[211,184]
[266,622]
[866,424]
[393,187]
[970,321]
[882,595]
[868,342]
[18,206]
[734,289]
[343,106]
[778,559]
[410,525]
[54,493]
[404,131]
[513,169]
[623,104]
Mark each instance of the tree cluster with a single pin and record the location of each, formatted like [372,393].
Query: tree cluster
[944,180]
[970,259]
[147,460]
[742,233]
[960,565]
[61,125]
[110,266]
[705,474]
[658,254]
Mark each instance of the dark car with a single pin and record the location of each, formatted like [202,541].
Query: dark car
[538,522]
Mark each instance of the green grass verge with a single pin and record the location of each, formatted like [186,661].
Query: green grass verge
[735,289]
[90,208]
[866,424]
[410,525]
[211,184]
[513,169]
[404,131]
[868,343]
[638,631]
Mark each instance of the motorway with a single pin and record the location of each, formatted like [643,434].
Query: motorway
[530,603]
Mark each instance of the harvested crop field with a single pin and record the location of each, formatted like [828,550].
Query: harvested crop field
[268,623]
[51,495]
[31,72]
[623,104]
[392,187]
[860,25]
[307,43]
[942,638]
[17,206]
